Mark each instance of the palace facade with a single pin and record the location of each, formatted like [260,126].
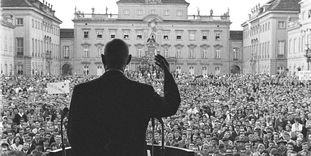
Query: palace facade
[195,44]
[36,37]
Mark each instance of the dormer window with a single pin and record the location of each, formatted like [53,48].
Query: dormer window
[126,12]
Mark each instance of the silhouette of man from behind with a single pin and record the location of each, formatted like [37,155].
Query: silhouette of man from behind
[109,115]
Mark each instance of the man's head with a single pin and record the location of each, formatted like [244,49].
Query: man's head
[116,55]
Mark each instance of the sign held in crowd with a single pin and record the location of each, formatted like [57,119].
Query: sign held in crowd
[58,87]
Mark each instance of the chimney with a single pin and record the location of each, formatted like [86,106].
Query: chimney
[51,6]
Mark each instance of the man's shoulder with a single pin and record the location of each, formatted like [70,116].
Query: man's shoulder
[140,85]
[87,84]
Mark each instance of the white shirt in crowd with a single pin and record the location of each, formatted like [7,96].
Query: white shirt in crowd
[297,127]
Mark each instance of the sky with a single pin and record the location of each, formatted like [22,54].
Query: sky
[239,9]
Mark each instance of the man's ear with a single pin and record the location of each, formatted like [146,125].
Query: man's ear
[103,59]
[129,59]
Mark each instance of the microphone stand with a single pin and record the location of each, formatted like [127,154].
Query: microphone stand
[63,115]
[62,136]
[163,147]
[153,139]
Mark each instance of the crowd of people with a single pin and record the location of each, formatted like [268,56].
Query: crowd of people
[252,115]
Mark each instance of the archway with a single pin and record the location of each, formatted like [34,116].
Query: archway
[66,69]
[235,69]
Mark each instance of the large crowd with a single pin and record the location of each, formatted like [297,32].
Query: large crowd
[252,115]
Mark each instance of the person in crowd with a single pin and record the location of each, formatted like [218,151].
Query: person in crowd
[17,144]
[246,109]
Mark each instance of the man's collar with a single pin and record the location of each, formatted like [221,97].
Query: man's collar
[114,69]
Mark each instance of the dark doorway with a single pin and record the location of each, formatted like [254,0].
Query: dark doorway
[66,69]
[235,69]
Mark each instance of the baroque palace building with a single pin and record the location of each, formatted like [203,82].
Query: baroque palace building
[6,44]
[195,44]
[299,38]
[265,36]
[36,37]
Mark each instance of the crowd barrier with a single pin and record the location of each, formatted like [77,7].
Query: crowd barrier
[169,151]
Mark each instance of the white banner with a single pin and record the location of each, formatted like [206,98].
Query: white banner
[304,75]
[58,87]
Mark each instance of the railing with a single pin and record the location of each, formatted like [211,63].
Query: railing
[209,18]
[96,16]
[81,16]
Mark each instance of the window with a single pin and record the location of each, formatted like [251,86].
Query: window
[281,24]
[140,52]
[217,36]
[192,35]
[33,48]
[99,50]
[112,36]
[309,13]
[204,71]
[20,46]
[179,13]
[217,70]
[126,36]
[66,52]
[289,46]
[19,21]
[165,52]
[191,70]
[139,35]
[281,48]
[165,35]
[191,53]
[166,12]
[86,69]
[204,53]
[140,12]
[99,34]
[178,53]
[294,46]
[85,51]
[204,35]
[99,70]
[235,53]
[20,69]
[86,34]
[217,54]
[126,12]
[32,25]
[178,35]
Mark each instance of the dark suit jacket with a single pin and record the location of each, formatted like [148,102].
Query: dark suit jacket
[109,115]
[17,118]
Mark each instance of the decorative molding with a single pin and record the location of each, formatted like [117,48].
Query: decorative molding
[85,44]
[205,45]
[139,45]
[192,45]
[179,45]
[166,45]
[99,44]
[218,45]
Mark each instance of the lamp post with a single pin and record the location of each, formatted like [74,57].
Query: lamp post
[308,55]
